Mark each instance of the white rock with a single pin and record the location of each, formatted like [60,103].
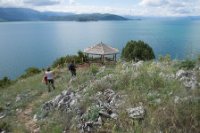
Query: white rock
[2,116]
[176,99]
[104,114]
[99,121]
[64,92]
[170,93]
[18,98]
[158,101]
[35,118]
[114,116]
[190,84]
[57,99]
[188,78]
[180,73]
[36,130]
[137,112]
[184,79]
[137,65]
[73,102]
[153,94]
[18,110]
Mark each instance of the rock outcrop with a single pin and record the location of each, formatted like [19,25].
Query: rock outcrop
[105,105]
[188,78]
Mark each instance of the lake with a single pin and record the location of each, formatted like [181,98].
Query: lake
[38,44]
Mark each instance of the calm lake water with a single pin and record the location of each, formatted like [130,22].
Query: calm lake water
[38,44]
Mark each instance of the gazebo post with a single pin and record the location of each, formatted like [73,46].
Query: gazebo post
[88,55]
[103,59]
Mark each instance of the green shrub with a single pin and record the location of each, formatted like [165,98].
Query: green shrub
[137,50]
[69,58]
[1,109]
[94,69]
[5,82]
[4,127]
[93,114]
[59,62]
[186,64]
[198,59]
[82,56]
[30,72]
[166,58]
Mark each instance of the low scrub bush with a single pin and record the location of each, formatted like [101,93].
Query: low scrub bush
[59,62]
[63,60]
[186,64]
[92,114]
[166,58]
[184,117]
[94,69]
[80,58]
[5,82]
[30,72]
[4,127]
[101,85]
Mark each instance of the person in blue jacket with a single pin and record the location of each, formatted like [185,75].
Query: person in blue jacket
[72,68]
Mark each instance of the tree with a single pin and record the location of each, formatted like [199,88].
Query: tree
[5,81]
[137,50]
[82,56]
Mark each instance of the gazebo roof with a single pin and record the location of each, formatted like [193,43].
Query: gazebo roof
[101,49]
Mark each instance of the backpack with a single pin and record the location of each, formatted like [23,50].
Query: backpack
[72,67]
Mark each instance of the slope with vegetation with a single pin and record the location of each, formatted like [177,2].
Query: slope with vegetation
[104,96]
[144,96]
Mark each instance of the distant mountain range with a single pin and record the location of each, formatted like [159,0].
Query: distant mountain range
[25,14]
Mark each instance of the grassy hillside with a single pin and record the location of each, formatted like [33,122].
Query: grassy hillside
[100,99]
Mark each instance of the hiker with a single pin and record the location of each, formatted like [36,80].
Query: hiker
[50,79]
[72,68]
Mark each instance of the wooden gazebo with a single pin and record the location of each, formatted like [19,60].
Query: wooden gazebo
[102,50]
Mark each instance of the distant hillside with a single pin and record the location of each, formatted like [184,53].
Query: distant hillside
[86,17]
[19,14]
[25,14]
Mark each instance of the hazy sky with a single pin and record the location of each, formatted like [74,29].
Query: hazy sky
[122,7]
